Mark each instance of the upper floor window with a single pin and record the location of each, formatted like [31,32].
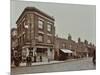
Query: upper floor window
[40,24]
[40,38]
[63,45]
[49,27]
[49,40]
[70,46]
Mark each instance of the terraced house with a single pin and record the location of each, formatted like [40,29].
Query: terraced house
[64,48]
[36,33]
[68,48]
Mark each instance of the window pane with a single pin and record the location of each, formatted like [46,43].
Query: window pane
[49,40]
[40,38]
[40,24]
[64,45]
[49,28]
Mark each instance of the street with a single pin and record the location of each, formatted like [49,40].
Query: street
[74,65]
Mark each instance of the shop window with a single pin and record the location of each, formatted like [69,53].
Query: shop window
[50,49]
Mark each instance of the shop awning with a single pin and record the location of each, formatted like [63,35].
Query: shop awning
[66,50]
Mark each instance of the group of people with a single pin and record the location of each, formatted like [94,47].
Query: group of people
[29,61]
[17,60]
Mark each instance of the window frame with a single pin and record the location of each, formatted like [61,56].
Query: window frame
[49,38]
[40,24]
[49,26]
[41,41]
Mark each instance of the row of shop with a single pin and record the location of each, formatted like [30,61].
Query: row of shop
[62,50]
[40,54]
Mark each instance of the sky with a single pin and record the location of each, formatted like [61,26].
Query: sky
[74,19]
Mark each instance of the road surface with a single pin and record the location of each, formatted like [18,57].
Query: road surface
[74,65]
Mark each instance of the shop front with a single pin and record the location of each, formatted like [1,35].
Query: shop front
[65,54]
[38,54]
[44,54]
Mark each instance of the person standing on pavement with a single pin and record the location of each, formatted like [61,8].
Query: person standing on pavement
[29,60]
[16,61]
[35,58]
[94,58]
[40,58]
[48,59]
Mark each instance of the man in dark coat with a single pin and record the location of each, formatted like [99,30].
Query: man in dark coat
[40,58]
[16,61]
[29,60]
[94,58]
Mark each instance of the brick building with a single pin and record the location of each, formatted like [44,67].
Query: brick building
[36,37]
[91,48]
[36,33]
[79,49]
[64,48]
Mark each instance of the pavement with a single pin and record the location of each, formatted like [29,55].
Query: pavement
[46,63]
[56,66]
[39,63]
